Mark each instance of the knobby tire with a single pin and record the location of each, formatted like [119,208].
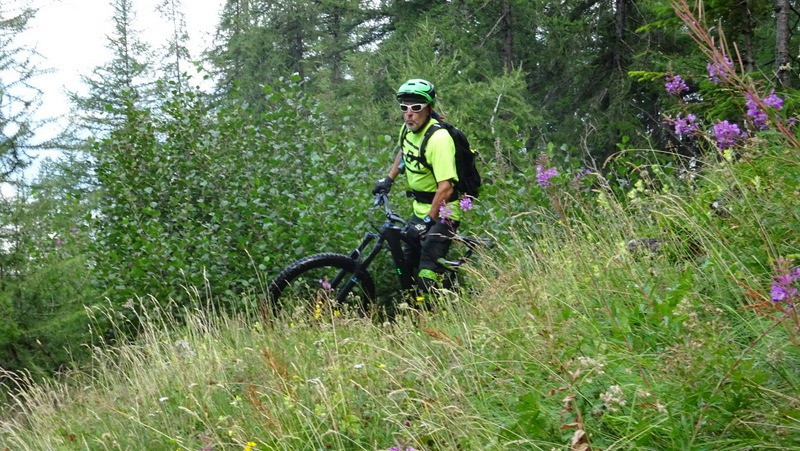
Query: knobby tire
[301,284]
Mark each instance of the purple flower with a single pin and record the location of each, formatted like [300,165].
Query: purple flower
[773,101]
[727,134]
[784,286]
[780,293]
[717,71]
[759,116]
[325,285]
[543,176]
[685,126]
[465,203]
[445,212]
[675,85]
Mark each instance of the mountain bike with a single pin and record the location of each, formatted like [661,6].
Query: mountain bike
[340,280]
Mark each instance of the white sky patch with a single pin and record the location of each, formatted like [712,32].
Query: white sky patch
[72,36]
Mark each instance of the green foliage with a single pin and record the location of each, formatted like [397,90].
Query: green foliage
[225,197]
[19,98]
[568,335]
[45,275]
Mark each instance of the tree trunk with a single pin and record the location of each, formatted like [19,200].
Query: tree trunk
[782,36]
[748,51]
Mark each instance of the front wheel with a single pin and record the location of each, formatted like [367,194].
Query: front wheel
[320,283]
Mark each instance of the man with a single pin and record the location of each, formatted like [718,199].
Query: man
[436,210]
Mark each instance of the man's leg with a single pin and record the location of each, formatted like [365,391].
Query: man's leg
[412,250]
[435,247]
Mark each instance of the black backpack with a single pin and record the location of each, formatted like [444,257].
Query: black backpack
[469,179]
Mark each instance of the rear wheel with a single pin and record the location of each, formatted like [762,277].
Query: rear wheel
[321,284]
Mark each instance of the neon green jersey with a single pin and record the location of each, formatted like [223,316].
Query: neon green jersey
[440,153]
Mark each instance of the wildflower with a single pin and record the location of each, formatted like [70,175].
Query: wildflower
[717,70]
[727,134]
[318,310]
[325,285]
[465,203]
[675,85]
[780,293]
[543,176]
[685,126]
[249,446]
[581,174]
[445,212]
[784,287]
[613,398]
[759,116]
[773,101]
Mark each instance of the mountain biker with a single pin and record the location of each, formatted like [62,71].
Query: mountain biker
[435,203]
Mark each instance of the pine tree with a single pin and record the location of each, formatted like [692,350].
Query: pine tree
[124,83]
[19,99]
[176,58]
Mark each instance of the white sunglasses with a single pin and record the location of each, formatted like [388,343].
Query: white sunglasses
[416,107]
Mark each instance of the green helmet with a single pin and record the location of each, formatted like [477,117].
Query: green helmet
[417,89]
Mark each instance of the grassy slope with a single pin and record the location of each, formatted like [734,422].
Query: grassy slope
[563,330]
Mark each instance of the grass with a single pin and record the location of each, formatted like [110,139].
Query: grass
[565,339]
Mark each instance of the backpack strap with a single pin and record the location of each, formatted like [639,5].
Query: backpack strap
[424,144]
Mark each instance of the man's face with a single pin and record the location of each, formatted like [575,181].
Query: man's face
[415,114]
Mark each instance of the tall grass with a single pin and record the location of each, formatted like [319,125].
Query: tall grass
[569,335]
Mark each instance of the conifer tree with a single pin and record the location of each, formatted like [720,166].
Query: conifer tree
[122,84]
[176,56]
[19,98]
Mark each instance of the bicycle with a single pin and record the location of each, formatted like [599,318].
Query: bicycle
[340,279]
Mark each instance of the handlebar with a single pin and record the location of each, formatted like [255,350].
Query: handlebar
[383,199]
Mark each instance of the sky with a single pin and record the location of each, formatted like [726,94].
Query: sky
[71,36]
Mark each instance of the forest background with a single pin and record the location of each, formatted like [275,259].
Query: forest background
[168,192]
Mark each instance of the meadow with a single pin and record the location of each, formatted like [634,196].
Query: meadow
[664,320]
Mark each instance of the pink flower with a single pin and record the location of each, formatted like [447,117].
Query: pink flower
[543,176]
[465,203]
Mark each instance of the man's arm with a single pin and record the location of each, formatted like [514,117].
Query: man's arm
[443,192]
[385,184]
[395,170]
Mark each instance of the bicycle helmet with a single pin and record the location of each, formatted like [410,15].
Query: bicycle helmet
[418,90]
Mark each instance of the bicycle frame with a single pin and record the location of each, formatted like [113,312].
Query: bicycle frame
[391,234]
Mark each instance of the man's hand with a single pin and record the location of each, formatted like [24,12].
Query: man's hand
[383,186]
[418,231]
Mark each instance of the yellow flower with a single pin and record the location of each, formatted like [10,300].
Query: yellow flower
[249,446]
